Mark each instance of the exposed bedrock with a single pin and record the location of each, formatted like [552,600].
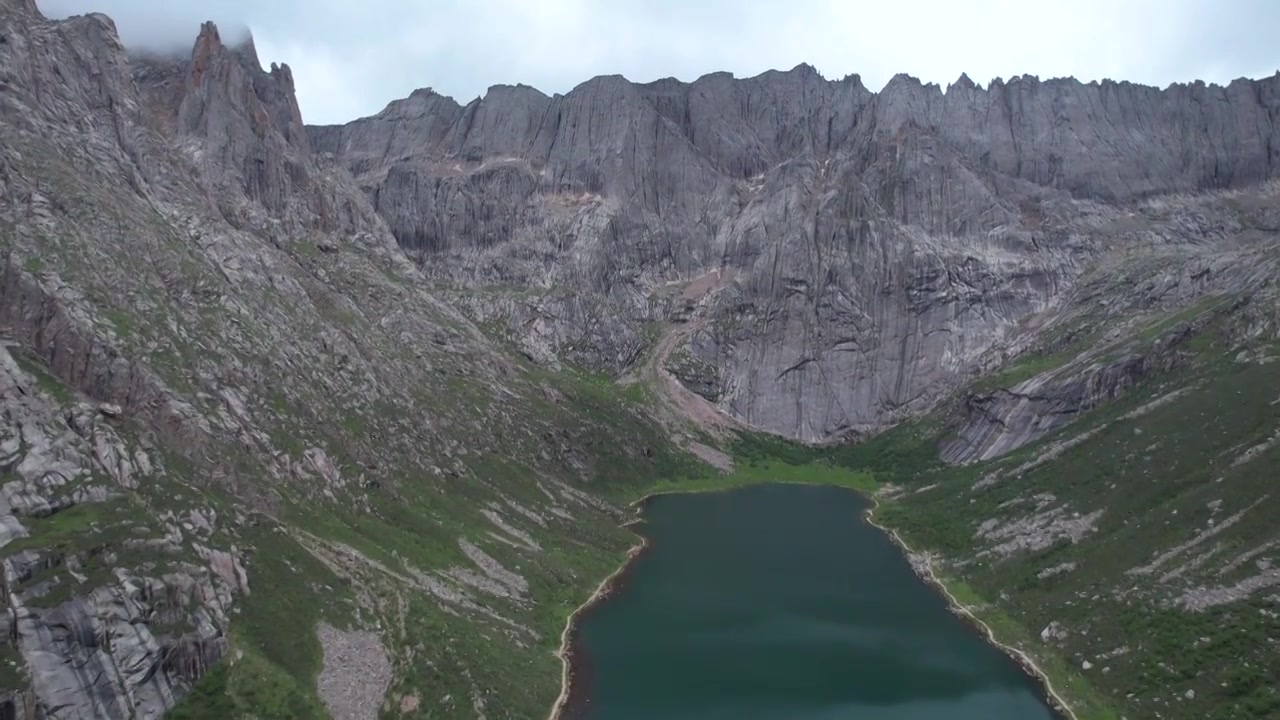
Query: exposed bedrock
[879,243]
[1005,420]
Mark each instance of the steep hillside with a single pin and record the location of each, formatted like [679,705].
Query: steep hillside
[232,410]
[304,421]
[1133,550]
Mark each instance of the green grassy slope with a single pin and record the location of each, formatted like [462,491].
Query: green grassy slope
[1158,472]
[1135,609]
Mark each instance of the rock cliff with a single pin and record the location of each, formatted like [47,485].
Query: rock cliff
[879,244]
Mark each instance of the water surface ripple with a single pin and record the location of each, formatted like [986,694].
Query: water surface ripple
[780,602]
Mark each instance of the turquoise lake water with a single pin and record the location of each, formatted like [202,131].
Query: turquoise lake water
[780,602]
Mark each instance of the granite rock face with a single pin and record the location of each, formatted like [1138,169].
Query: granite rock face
[1010,418]
[879,243]
[103,654]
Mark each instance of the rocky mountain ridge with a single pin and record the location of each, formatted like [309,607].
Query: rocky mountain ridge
[880,244]
[1110,141]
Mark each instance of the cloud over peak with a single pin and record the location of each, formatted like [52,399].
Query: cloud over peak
[350,59]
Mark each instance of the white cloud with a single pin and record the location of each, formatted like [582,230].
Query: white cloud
[350,59]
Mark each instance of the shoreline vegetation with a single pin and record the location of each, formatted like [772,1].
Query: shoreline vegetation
[923,566]
[820,474]
[565,652]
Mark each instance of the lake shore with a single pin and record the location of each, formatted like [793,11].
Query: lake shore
[923,566]
[921,563]
[607,587]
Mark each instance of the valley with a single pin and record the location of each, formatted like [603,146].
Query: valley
[284,407]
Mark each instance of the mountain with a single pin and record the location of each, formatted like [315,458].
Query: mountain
[878,248]
[344,421]
[231,407]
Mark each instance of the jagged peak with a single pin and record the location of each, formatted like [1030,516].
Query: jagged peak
[208,46]
[612,82]
[803,70]
[209,41]
[226,80]
[209,35]
[963,82]
[666,83]
[415,103]
[248,49]
[609,79]
[901,79]
[719,74]
[903,82]
[519,89]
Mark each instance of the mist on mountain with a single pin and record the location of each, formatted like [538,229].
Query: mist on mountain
[161,27]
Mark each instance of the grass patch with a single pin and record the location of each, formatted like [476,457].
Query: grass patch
[248,687]
[1024,368]
[1202,306]
[290,591]
[1085,701]
[763,472]
[70,528]
[275,654]
[902,455]
[12,668]
[121,321]
[638,393]
[45,379]
[963,593]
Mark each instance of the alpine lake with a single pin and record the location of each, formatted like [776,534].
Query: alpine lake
[781,602]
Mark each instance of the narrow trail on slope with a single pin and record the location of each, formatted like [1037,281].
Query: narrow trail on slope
[693,407]
[680,406]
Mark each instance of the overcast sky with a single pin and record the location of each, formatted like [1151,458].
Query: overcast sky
[350,59]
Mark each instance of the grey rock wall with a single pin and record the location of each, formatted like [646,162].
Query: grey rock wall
[133,644]
[880,243]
